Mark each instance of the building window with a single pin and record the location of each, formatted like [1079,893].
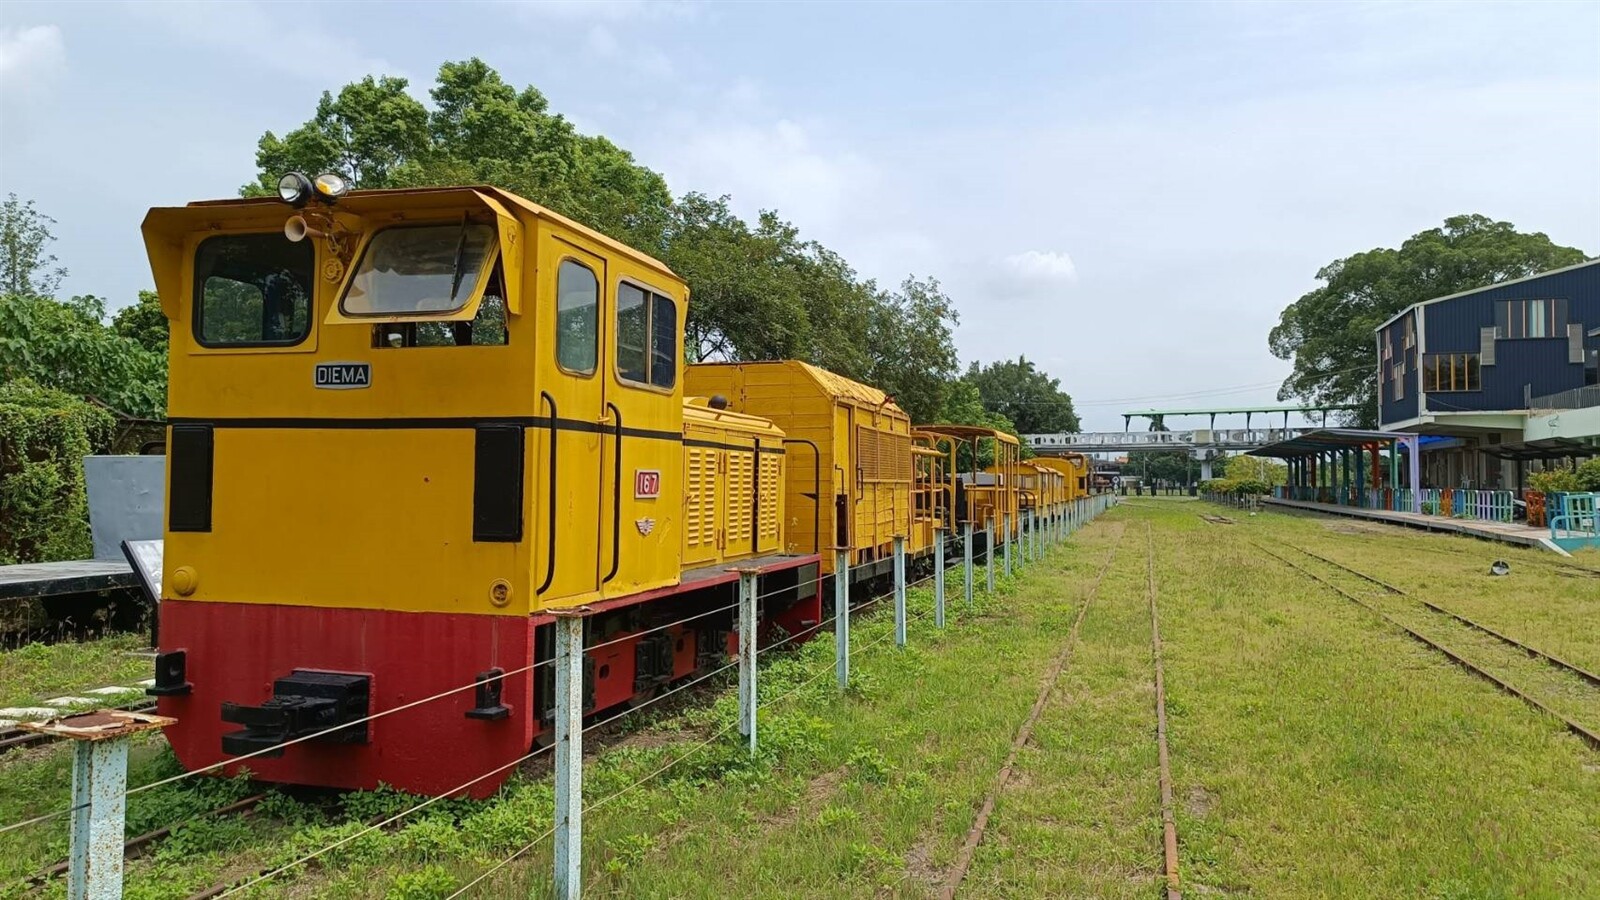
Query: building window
[1442,372]
[1388,345]
[577,317]
[1399,373]
[1411,332]
[647,337]
[1531,318]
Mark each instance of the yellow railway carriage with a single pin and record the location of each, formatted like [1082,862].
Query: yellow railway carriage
[1075,468]
[850,461]
[405,426]
[984,495]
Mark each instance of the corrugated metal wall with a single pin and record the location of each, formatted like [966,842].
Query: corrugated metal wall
[1389,408]
[1541,364]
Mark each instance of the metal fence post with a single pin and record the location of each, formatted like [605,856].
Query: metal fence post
[841,619]
[747,655]
[99,794]
[1005,526]
[569,757]
[988,554]
[899,590]
[966,539]
[939,535]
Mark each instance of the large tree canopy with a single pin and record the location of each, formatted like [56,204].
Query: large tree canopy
[1022,393]
[1328,332]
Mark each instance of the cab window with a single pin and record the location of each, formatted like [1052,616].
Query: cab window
[647,337]
[487,328]
[428,269]
[577,317]
[253,290]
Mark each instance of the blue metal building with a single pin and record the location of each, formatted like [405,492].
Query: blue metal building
[1489,369]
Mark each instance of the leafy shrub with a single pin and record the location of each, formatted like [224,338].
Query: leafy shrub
[44,436]
[1589,474]
[1556,481]
[428,883]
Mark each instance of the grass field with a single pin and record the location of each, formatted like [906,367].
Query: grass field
[1317,751]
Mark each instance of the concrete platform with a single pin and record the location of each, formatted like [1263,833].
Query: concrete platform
[1504,532]
[72,577]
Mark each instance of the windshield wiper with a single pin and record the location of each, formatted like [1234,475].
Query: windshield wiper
[461,252]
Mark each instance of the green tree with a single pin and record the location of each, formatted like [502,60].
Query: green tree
[144,323]
[1025,395]
[913,351]
[1328,332]
[44,435]
[66,346]
[27,268]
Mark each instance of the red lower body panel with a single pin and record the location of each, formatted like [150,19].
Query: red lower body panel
[235,651]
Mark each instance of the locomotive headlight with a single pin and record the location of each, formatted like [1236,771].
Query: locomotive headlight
[331,186]
[294,189]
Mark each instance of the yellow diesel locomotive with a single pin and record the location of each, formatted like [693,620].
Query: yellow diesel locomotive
[408,426]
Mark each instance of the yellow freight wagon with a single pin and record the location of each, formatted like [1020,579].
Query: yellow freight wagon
[980,494]
[850,461]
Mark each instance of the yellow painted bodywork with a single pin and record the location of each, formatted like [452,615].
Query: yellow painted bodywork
[1074,469]
[862,453]
[364,498]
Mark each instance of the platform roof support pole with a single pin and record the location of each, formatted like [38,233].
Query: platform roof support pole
[1005,533]
[966,553]
[748,640]
[988,555]
[841,619]
[1414,472]
[899,590]
[939,535]
[569,757]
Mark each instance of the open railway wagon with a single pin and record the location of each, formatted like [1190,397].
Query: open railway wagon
[984,484]
[1076,471]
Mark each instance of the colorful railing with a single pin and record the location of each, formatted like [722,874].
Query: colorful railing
[1574,521]
[1489,506]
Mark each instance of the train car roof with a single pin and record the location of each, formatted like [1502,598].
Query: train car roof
[968,432]
[831,383]
[362,201]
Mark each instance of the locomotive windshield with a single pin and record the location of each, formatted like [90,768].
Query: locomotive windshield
[428,269]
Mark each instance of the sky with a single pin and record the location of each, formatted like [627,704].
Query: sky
[1128,194]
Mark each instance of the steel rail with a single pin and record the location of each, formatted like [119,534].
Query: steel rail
[1590,737]
[1169,825]
[136,847]
[969,847]
[1533,652]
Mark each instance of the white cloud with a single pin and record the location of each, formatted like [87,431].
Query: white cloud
[1041,267]
[780,164]
[243,30]
[29,57]
[605,10]
[603,43]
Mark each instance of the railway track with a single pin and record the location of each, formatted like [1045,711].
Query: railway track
[138,846]
[1169,825]
[1555,671]
[1533,652]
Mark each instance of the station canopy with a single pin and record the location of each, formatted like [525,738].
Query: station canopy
[1325,439]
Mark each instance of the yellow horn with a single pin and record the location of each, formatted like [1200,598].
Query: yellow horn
[297,229]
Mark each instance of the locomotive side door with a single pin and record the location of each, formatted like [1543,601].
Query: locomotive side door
[567,471]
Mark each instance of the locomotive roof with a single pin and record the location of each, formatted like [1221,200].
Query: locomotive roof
[383,200]
[968,432]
